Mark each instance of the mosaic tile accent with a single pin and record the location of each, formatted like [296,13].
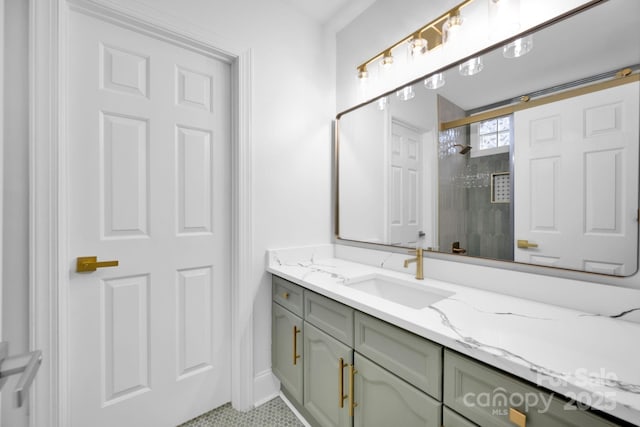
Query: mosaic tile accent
[274,413]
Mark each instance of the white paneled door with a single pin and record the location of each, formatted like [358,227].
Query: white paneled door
[572,195]
[405,189]
[148,172]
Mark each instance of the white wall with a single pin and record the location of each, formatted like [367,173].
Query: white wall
[292,110]
[387,21]
[15,227]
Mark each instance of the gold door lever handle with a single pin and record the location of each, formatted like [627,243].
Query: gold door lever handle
[525,244]
[90,263]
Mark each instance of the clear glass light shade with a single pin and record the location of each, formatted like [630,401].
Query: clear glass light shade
[434,82]
[504,17]
[387,61]
[406,93]
[382,103]
[471,67]
[451,28]
[418,46]
[363,74]
[518,48]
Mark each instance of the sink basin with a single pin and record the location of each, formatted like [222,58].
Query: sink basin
[399,291]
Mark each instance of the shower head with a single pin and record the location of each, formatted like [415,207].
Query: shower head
[464,149]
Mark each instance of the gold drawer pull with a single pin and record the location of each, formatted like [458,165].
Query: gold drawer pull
[525,244]
[341,396]
[296,356]
[352,404]
[517,417]
[285,295]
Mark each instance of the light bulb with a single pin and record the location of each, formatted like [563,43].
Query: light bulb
[451,28]
[471,67]
[518,48]
[406,93]
[434,82]
[418,46]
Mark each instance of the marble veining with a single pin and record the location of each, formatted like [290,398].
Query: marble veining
[590,358]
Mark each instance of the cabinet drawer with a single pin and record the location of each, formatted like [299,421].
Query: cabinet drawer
[486,396]
[412,358]
[453,419]
[287,294]
[384,400]
[330,316]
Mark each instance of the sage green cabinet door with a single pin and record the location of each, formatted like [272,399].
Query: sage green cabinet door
[453,419]
[323,373]
[490,398]
[286,350]
[385,400]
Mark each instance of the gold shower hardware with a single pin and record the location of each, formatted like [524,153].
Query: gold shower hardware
[352,404]
[525,244]
[431,32]
[517,417]
[90,263]
[456,249]
[341,396]
[296,356]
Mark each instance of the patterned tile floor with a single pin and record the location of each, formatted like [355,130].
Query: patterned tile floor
[274,413]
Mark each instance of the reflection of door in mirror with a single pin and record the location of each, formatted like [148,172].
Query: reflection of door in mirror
[405,189]
[572,198]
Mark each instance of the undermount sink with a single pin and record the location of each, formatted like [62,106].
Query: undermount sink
[399,291]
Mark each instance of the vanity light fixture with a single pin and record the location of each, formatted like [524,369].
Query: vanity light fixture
[387,60]
[451,27]
[382,103]
[406,93]
[363,74]
[418,45]
[419,42]
[435,81]
[504,18]
[518,48]
[471,67]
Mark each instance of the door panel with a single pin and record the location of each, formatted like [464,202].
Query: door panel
[405,196]
[148,170]
[571,198]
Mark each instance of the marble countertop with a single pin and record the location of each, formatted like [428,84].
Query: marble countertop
[591,359]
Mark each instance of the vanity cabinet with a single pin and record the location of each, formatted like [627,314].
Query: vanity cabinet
[383,399]
[286,346]
[326,368]
[491,398]
[344,368]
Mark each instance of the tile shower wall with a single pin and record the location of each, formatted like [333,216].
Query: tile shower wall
[489,229]
[452,200]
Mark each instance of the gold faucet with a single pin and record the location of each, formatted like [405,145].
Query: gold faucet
[418,261]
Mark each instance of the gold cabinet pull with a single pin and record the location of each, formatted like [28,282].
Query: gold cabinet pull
[517,417]
[296,356]
[525,244]
[285,295]
[90,263]
[341,396]
[352,404]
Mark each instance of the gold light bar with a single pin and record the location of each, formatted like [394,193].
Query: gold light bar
[623,77]
[432,32]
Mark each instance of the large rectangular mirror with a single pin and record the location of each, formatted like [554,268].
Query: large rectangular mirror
[530,156]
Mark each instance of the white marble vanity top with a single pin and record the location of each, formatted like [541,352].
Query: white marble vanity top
[589,358]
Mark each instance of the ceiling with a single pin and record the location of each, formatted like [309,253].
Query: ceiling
[332,13]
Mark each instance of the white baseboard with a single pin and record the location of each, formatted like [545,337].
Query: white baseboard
[265,387]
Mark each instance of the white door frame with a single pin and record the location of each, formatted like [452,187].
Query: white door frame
[49,261]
